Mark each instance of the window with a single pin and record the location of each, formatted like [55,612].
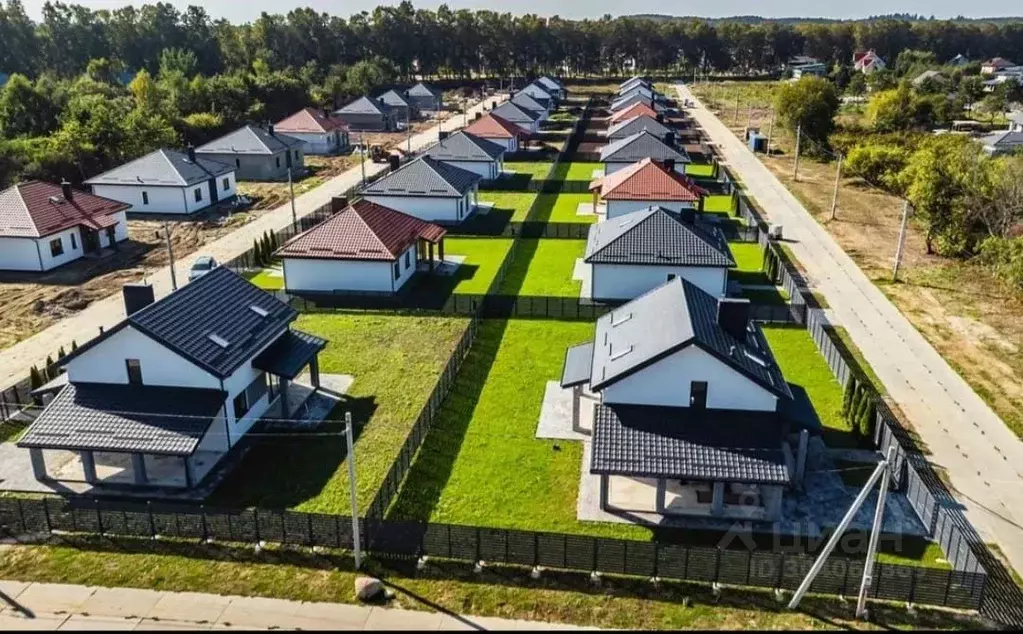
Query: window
[74,242]
[134,367]
[296,154]
[237,162]
[278,161]
[145,198]
[698,395]
[56,247]
[252,393]
[408,258]
[227,184]
[198,194]
[241,406]
[397,270]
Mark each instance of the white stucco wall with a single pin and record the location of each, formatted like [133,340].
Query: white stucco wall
[621,281]
[489,169]
[667,382]
[167,200]
[321,143]
[301,274]
[34,254]
[433,209]
[215,438]
[71,251]
[617,208]
[19,254]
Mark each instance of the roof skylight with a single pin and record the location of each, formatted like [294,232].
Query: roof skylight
[217,339]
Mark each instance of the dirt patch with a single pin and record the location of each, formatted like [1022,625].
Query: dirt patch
[319,169]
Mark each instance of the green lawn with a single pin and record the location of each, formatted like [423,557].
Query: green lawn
[749,260]
[306,470]
[514,205]
[267,279]
[577,171]
[563,208]
[705,170]
[538,169]
[483,257]
[544,267]
[719,202]
[776,297]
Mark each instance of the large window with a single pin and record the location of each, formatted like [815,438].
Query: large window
[74,242]
[278,161]
[251,395]
[408,258]
[241,406]
[397,270]
[56,247]
[134,367]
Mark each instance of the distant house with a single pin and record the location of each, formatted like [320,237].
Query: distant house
[540,94]
[959,61]
[1016,121]
[636,252]
[499,130]
[635,80]
[635,110]
[1005,142]
[167,182]
[868,61]
[161,398]
[368,114]
[469,152]
[622,153]
[642,91]
[526,119]
[628,127]
[43,225]
[816,70]
[401,105]
[257,154]
[366,248]
[524,101]
[322,131]
[426,98]
[553,86]
[801,60]
[427,189]
[926,76]
[646,183]
[995,65]
[634,99]
[3,79]
[692,398]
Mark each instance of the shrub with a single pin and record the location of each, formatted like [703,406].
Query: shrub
[879,165]
[1004,257]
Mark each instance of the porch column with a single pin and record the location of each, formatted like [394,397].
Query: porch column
[605,485]
[431,256]
[89,467]
[804,439]
[717,505]
[662,492]
[138,468]
[575,408]
[314,371]
[189,481]
[38,464]
[596,196]
[440,250]
[284,397]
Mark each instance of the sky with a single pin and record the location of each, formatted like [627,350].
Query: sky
[247,10]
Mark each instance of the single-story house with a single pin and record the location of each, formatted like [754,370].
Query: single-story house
[496,128]
[467,151]
[552,86]
[43,225]
[1004,142]
[926,76]
[646,183]
[638,251]
[163,396]
[691,401]
[635,80]
[642,91]
[257,154]
[958,61]
[818,69]
[995,65]
[526,119]
[868,61]
[633,99]
[640,109]
[167,182]
[524,101]
[365,248]
[401,105]
[628,127]
[322,131]
[540,93]
[426,98]
[801,60]
[1016,121]
[429,190]
[368,114]
[622,153]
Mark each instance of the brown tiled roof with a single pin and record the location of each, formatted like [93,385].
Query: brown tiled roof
[35,209]
[362,231]
[635,110]
[647,180]
[310,120]
[493,126]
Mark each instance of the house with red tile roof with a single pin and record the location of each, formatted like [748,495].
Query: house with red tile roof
[322,131]
[499,130]
[868,61]
[644,184]
[635,110]
[43,225]
[365,248]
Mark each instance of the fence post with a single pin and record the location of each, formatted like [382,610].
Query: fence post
[205,530]
[99,517]
[152,522]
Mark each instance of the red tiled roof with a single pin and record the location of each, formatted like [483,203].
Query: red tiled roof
[362,231]
[635,110]
[310,120]
[36,209]
[494,126]
[647,180]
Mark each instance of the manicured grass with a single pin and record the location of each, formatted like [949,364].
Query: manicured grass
[719,202]
[515,205]
[577,170]
[267,279]
[776,297]
[12,430]
[483,257]
[544,267]
[538,169]
[563,208]
[705,170]
[749,261]
[395,360]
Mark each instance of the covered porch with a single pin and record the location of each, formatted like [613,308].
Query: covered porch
[284,360]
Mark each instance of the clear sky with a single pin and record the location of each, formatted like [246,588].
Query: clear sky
[246,10]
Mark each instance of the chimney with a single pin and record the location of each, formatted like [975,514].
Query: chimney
[733,316]
[270,129]
[669,138]
[395,161]
[65,188]
[669,164]
[326,112]
[443,134]
[338,203]
[137,297]
[479,115]
[191,152]
[660,117]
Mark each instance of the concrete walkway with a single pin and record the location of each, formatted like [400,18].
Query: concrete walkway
[48,606]
[982,457]
[81,327]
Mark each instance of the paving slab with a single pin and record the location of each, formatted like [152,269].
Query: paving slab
[257,612]
[197,606]
[11,623]
[54,598]
[343,616]
[98,623]
[405,620]
[9,592]
[120,602]
[169,625]
[556,414]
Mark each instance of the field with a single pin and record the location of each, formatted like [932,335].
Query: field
[513,205]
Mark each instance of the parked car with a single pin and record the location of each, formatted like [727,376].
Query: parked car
[202,265]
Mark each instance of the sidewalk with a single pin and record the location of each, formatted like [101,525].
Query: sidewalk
[984,460]
[49,606]
[81,327]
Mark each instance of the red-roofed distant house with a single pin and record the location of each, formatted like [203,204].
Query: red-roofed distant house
[323,132]
[995,65]
[43,225]
[868,61]
[499,130]
[366,248]
[644,184]
[635,110]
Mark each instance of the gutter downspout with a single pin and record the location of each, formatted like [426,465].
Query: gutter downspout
[227,425]
[39,254]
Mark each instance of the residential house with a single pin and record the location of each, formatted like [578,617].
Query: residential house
[958,61]
[321,130]
[467,151]
[540,94]
[428,189]
[642,91]
[499,130]
[635,110]
[636,252]
[167,182]
[691,402]
[365,248]
[524,101]
[163,396]
[622,153]
[370,115]
[635,80]
[257,154]
[425,98]
[635,98]
[646,183]
[817,69]
[995,65]
[927,76]
[43,225]
[1016,121]
[401,105]
[526,119]
[867,62]
[552,86]
[628,127]
[801,60]
[1005,142]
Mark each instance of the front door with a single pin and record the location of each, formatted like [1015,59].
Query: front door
[213,191]
[698,395]
[90,241]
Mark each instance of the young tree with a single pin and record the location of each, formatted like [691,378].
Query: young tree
[809,104]
[24,111]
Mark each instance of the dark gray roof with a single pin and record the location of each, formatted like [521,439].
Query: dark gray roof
[523,100]
[622,104]
[250,140]
[577,365]
[425,177]
[654,442]
[642,91]
[634,79]
[116,417]
[667,319]
[635,125]
[1003,139]
[289,354]
[163,168]
[515,113]
[364,105]
[640,146]
[659,237]
[422,90]
[465,146]
[549,83]
[394,98]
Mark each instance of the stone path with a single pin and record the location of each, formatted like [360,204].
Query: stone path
[48,606]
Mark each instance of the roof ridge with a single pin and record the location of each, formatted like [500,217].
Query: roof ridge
[370,229]
[434,164]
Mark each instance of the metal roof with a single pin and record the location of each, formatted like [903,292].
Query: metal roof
[524,100]
[394,99]
[642,91]
[422,90]
[647,180]
[125,418]
[250,140]
[311,121]
[577,365]
[635,110]
[631,100]
[634,78]
[548,83]
[364,105]
[36,209]
[628,127]
[515,113]
[656,237]
[163,168]
[425,177]
[677,443]
[638,147]
[465,146]
[289,354]
[1003,139]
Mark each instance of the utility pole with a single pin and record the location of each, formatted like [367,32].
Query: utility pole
[362,151]
[902,240]
[749,115]
[770,132]
[799,137]
[736,117]
[170,254]
[291,188]
[838,182]
[356,538]
[408,130]
[875,532]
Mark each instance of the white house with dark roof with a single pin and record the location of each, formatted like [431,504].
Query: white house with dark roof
[622,153]
[257,154]
[401,104]
[526,119]
[1016,121]
[636,97]
[427,189]
[371,115]
[163,396]
[644,184]
[167,182]
[43,225]
[365,248]
[426,98]
[524,101]
[628,127]
[537,93]
[552,86]
[634,81]
[1004,142]
[322,131]
[469,152]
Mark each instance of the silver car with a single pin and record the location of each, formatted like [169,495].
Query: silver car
[202,265]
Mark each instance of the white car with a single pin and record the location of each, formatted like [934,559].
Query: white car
[202,265]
